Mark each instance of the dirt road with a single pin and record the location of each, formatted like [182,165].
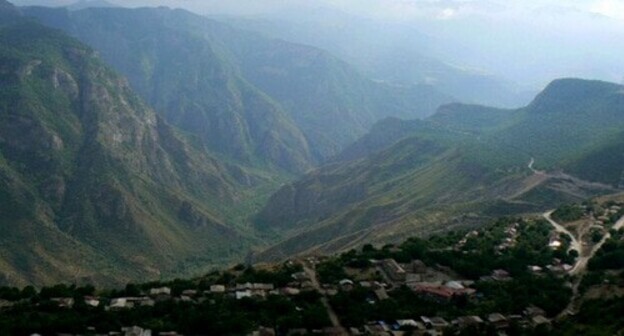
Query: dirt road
[333,317]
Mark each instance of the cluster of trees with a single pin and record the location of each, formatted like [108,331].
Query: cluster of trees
[597,317]
[609,258]
[220,315]
[611,254]
[568,213]
[216,314]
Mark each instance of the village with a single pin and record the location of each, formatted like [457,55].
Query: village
[427,282]
[450,280]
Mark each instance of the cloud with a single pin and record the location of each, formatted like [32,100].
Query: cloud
[611,8]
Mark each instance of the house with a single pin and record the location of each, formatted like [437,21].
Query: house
[393,270]
[290,291]
[244,286]
[533,311]
[6,304]
[346,284]
[518,320]
[162,291]
[436,323]
[411,277]
[262,286]
[355,331]
[534,269]
[376,329]
[555,243]
[91,301]
[330,292]
[407,323]
[145,302]
[539,320]
[217,289]
[184,298]
[135,331]
[239,294]
[189,292]
[307,285]
[381,294]
[129,302]
[262,331]
[64,302]
[468,321]
[334,331]
[120,303]
[437,293]
[454,285]
[300,276]
[498,321]
[418,267]
[500,275]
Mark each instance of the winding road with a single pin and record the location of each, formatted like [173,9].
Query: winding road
[574,243]
[580,266]
[535,171]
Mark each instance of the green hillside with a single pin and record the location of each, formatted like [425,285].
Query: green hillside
[94,185]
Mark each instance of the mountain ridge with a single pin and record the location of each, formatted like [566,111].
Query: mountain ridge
[115,191]
[322,97]
[478,171]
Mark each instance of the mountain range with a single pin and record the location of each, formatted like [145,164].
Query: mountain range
[247,96]
[140,144]
[464,162]
[391,52]
[95,185]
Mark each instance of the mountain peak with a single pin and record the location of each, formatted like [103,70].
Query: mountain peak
[6,4]
[83,4]
[569,91]
[7,10]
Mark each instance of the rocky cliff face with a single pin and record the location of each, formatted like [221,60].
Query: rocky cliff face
[95,185]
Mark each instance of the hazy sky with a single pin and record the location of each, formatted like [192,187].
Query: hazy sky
[528,41]
[388,9]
